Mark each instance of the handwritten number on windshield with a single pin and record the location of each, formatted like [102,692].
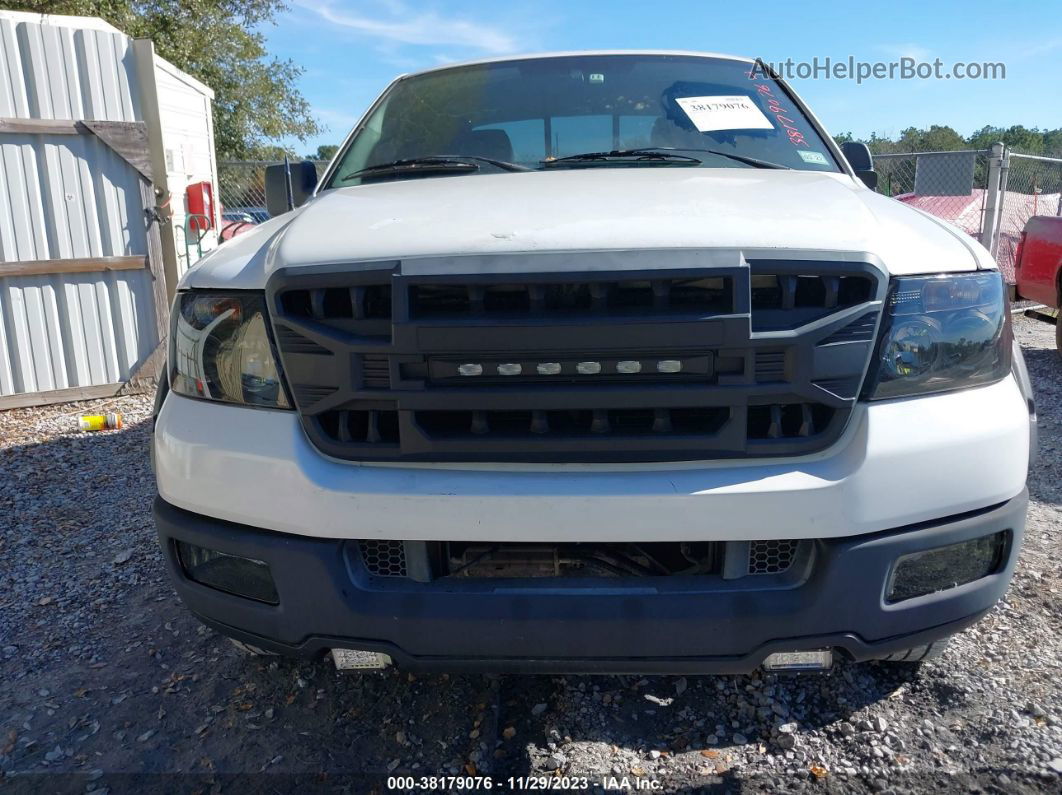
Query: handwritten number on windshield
[796,137]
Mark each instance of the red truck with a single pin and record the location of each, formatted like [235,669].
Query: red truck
[1038,268]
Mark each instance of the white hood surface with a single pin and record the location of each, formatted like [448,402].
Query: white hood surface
[594,209]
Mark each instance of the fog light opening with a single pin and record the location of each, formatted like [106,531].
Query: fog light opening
[232,574]
[934,570]
[813,660]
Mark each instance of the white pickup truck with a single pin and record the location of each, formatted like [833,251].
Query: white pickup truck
[592,362]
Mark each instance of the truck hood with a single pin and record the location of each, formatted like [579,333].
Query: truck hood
[594,209]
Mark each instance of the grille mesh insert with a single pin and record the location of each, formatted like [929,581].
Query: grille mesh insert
[384,558]
[771,557]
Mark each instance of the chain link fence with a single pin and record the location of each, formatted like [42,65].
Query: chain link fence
[1029,186]
[241,189]
[990,194]
[950,185]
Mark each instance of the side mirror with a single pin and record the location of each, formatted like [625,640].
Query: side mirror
[289,185]
[862,162]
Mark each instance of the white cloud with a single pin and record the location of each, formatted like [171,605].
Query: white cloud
[400,25]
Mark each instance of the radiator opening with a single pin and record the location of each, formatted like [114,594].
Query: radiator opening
[778,561]
[479,560]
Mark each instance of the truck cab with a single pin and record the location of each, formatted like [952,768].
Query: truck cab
[592,362]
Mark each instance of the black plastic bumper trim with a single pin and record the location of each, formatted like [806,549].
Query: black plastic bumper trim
[325,603]
[849,644]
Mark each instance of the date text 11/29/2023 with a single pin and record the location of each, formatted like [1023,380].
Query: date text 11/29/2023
[520,783]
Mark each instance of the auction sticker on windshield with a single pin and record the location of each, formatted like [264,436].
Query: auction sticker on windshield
[724,113]
[818,158]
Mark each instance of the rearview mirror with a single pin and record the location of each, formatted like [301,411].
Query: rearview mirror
[862,162]
[289,185]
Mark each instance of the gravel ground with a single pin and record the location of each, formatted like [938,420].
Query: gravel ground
[108,683]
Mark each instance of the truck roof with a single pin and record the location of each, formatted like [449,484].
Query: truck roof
[571,53]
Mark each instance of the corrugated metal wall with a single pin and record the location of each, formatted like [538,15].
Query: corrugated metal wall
[59,72]
[64,196]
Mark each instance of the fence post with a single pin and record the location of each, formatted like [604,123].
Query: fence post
[993,198]
[1004,175]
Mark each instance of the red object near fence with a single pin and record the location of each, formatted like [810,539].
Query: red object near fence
[230,229]
[200,198]
[1039,260]
[967,213]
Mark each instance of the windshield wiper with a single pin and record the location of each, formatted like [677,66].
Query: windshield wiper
[752,161]
[461,164]
[638,155]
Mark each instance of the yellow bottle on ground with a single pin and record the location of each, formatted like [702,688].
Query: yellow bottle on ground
[99,422]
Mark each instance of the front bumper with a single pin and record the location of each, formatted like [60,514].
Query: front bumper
[899,462]
[328,601]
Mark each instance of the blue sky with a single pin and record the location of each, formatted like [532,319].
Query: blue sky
[351,50]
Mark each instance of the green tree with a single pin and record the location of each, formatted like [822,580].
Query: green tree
[985,137]
[1053,143]
[256,97]
[941,139]
[1018,138]
[1021,139]
[324,152]
[275,153]
[938,138]
[880,145]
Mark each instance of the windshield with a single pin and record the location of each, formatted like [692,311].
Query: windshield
[530,113]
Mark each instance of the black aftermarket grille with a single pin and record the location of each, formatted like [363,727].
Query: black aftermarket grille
[634,364]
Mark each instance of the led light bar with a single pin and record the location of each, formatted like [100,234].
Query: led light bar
[697,364]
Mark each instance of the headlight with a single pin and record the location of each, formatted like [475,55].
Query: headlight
[940,333]
[221,350]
